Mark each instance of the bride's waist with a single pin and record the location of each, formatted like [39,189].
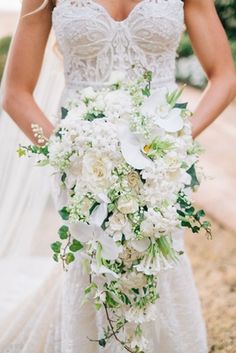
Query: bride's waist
[72,89]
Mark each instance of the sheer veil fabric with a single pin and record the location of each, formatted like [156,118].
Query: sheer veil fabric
[27,214]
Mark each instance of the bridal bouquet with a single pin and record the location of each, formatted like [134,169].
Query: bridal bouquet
[125,160]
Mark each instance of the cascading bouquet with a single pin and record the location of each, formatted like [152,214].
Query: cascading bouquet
[125,160]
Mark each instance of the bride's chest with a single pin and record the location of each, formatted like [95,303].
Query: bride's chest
[153,26]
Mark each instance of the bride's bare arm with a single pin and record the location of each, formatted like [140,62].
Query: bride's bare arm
[211,46]
[24,67]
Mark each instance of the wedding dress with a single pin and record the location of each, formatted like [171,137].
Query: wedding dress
[94,45]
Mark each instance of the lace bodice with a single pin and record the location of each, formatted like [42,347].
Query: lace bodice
[94,44]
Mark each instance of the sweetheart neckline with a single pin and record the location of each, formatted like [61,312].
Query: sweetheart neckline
[111,18]
[104,9]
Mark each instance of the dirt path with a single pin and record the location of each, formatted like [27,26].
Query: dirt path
[214,264]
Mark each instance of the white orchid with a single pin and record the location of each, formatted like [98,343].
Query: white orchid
[96,236]
[131,149]
[165,115]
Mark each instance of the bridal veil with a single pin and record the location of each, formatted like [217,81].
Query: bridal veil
[27,218]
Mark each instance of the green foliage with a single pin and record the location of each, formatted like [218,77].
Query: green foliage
[185,48]
[227,12]
[4,47]
[63,232]
[64,213]
[192,218]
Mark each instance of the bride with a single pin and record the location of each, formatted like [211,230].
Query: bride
[96,38]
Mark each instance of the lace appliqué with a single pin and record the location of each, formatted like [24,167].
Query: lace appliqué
[94,44]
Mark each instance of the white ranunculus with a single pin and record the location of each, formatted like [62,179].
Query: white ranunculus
[117,221]
[127,204]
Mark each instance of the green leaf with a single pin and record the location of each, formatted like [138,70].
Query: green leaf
[64,113]
[69,258]
[21,152]
[90,287]
[55,257]
[63,232]
[199,215]
[95,204]
[206,224]
[181,213]
[98,306]
[186,224]
[56,247]
[63,177]
[192,172]
[64,213]
[196,229]
[181,105]
[190,210]
[102,342]
[110,302]
[75,246]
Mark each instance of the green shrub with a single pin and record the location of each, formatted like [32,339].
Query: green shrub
[4,47]
[227,12]
[185,47]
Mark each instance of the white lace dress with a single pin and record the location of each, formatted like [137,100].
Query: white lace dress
[93,45]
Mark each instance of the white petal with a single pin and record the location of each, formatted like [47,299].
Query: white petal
[171,123]
[81,231]
[102,269]
[141,245]
[150,105]
[101,197]
[110,251]
[131,150]
[99,214]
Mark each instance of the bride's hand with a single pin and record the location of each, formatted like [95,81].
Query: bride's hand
[24,67]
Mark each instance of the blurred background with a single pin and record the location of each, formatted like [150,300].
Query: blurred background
[213,260]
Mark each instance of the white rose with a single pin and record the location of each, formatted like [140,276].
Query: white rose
[96,170]
[117,221]
[127,204]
